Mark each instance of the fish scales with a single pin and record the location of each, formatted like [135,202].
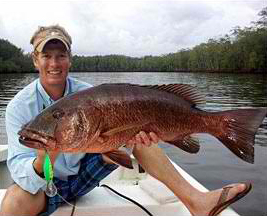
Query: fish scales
[146,108]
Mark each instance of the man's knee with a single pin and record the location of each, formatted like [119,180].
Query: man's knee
[19,202]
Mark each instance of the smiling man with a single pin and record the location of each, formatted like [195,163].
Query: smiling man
[77,174]
[52,59]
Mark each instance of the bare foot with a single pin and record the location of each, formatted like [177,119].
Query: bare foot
[207,201]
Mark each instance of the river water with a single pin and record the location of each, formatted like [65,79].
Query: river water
[214,166]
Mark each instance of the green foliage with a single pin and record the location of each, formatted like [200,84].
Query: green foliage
[243,50]
[13,60]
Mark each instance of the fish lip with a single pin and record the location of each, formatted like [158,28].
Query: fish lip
[37,142]
[31,142]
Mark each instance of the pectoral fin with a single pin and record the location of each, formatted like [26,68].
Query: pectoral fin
[120,158]
[113,131]
[189,144]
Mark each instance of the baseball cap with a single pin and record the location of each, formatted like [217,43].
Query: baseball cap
[45,34]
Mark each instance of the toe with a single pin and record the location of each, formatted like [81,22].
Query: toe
[235,189]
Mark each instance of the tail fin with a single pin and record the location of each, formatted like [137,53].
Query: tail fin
[239,135]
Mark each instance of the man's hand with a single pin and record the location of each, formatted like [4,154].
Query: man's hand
[38,162]
[143,138]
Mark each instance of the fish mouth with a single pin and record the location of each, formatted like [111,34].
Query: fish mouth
[34,139]
[32,143]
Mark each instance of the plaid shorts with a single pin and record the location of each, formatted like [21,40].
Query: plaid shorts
[92,170]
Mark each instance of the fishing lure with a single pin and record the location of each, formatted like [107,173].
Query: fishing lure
[51,189]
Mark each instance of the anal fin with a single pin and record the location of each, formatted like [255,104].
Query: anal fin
[120,157]
[189,144]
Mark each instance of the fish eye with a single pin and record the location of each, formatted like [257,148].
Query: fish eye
[57,113]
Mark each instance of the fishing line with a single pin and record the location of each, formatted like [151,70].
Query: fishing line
[51,189]
[127,198]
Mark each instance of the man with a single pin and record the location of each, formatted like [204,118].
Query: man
[77,174]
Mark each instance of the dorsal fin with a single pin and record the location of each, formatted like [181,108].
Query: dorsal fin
[187,92]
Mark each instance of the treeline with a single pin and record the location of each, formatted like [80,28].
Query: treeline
[12,59]
[242,50]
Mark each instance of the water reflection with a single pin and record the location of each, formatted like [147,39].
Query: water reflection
[10,84]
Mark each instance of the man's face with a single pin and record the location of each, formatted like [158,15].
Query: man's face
[53,64]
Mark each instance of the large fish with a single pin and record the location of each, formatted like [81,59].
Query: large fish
[103,118]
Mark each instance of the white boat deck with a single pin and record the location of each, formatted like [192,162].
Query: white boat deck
[143,188]
[3,152]
[149,192]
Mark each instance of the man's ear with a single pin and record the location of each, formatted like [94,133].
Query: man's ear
[34,60]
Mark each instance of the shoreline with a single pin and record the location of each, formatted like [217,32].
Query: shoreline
[218,71]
